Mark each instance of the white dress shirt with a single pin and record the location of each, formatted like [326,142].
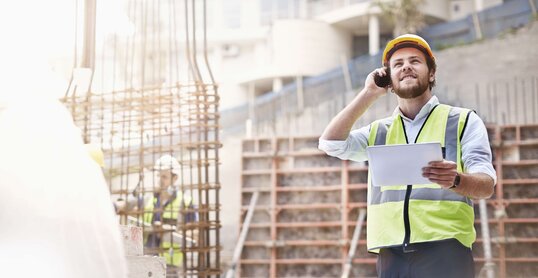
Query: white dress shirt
[476,152]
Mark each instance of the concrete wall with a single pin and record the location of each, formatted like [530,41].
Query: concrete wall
[462,8]
[230,178]
[437,9]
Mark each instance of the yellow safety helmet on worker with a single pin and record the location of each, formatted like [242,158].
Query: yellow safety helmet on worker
[407,40]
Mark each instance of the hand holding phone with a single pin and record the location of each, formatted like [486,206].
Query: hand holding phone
[382,81]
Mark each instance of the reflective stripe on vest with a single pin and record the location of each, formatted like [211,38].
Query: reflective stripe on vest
[434,213]
[170,251]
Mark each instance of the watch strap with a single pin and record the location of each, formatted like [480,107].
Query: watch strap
[457,180]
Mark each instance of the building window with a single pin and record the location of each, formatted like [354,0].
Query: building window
[271,10]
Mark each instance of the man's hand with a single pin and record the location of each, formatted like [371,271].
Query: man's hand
[121,206]
[370,85]
[441,172]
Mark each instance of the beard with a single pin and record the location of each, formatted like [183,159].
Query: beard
[413,91]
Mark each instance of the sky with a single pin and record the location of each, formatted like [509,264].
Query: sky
[30,38]
[38,43]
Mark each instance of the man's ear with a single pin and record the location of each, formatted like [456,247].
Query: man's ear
[174,178]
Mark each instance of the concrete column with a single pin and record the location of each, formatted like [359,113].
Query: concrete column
[251,109]
[300,93]
[251,99]
[218,17]
[303,9]
[373,34]
[478,5]
[88,48]
[277,84]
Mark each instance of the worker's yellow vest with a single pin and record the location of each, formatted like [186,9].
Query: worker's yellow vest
[434,213]
[171,250]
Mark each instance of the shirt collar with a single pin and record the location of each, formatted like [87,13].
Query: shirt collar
[424,111]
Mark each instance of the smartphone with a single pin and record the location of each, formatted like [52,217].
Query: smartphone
[382,81]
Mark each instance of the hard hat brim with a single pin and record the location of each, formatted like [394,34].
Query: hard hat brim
[404,41]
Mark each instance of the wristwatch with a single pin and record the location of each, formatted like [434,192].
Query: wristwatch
[456,181]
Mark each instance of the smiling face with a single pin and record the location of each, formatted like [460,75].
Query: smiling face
[410,73]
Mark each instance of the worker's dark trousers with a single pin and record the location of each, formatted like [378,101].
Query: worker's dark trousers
[441,259]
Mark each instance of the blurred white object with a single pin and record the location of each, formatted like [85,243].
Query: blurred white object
[55,210]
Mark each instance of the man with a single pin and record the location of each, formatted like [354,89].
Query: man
[418,230]
[163,212]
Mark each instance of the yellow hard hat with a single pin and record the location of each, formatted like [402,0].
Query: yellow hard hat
[96,154]
[407,40]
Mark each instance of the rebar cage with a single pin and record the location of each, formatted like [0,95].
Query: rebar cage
[144,102]
[134,128]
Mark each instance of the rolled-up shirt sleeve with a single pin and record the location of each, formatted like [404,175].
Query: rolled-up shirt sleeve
[353,148]
[476,150]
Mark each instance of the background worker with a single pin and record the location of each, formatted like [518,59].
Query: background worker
[418,230]
[163,213]
[165,208]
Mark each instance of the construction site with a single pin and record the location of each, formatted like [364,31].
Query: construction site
[256,197]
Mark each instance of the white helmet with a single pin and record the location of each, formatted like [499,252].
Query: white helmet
[167,162]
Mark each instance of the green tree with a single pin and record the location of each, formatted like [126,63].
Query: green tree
[404,14]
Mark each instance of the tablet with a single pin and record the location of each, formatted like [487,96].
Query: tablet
[401,164]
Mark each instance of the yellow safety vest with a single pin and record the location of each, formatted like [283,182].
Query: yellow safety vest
[171,251]
[406,214]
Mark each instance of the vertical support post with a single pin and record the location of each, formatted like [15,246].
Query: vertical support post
[88,48]
[500,198]
[533,7]
[486,240]
[244,231]
[476,21]
[347,79]
[373,34]
[300,93]
[273,208]
[303,9]
[344,209]
[251,106]
[354,242]
[277,84]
